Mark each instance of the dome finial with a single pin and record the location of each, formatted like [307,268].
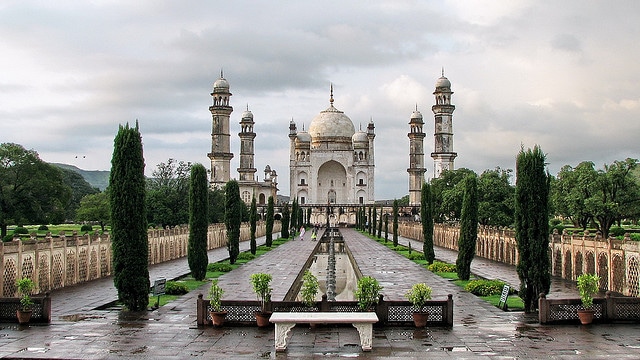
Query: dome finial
[416,106]
[331,97]
[443,71]
[221,73]
[247,106]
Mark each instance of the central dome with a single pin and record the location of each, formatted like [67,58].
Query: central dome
[332,123]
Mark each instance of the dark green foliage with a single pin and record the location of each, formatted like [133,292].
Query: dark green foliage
[233,218]
[370,221]
[395,222]
[21,230]
[43,228]
[468,228]
[175,288]
[198,222]
[79,189]
[374,220]
[129,220]
[426,216]
[246,256]
[86,228]
[269,223]
[216,206]
[443,267]
[7,238]
[380,224]
[286,217]
[532,226]
[219,267]
[485,287]
[253,219]
[617,231]
[95,207]
[415,256]
[31,191]
[168,194]
[495,198]
[447,192]
[386,227]
[294,216]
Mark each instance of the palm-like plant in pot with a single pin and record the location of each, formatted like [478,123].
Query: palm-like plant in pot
[418,295]
[261,283]
[25,288]
[215,301]
[588,287]
[367,292]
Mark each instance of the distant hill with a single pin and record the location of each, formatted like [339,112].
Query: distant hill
[96,178]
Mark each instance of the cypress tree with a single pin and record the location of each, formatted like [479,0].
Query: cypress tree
[369,222]
[386,227]
[253,218]
[300,216]
[198,222]
[380,223]
[269,224]
[532,226]
[468,228]
[294,216]
[128,220]
[233,218]
[395,222]
[426,216]
[374,220]
[284,232]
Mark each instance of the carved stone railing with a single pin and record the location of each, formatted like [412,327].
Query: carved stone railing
[41,309]
[607,310]
[389,312]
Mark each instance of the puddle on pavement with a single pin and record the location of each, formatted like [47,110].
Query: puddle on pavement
[79,317]
[455,348]
[37,350]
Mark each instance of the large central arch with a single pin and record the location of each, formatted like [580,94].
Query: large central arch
[332,183]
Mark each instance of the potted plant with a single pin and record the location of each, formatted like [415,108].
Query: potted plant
[309,289]
[588,287]
[261,286]
[215,300]
[418,296]
[367,292]
[25,287]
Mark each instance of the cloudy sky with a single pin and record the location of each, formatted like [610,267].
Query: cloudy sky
[561,74]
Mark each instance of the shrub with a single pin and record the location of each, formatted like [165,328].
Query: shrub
[558,227]
[21,230]
[554,222]
[43,228]
[219,267]
[246,256]
[485,287]
[86,228]
[367,292]
[175,288]
[635,236]
[415,256]
[7,238]
[439,266]
[617,231]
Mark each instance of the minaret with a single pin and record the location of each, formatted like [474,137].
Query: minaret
[246,170]
[443,154]
[220,154]
[416,168]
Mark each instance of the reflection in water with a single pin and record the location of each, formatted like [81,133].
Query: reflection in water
[345,277]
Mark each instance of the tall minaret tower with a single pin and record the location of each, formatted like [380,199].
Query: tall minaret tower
[220,154]
[443,154]
[416,168]
[246,169]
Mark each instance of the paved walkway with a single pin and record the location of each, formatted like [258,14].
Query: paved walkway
[479,330]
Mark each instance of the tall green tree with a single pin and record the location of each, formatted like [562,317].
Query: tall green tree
[495,197]
[198,222]
[31,191]
[571,190]
[286,217]
[386,227]
[380,223]
[468,228]
[294,216]
[233,218]
[79,188]
[128,219]
[374,220]
[95,207]
[426,217]
[216,206]
[370,221]
[532,226]
[395,222]
[447,192]
[253,219]
[168,194]
[269,222]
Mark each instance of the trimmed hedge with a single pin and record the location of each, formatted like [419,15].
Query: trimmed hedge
[439,266]
[219,267]
[485,287]
[175,288]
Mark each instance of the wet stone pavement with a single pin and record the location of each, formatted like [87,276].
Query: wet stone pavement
[79,331]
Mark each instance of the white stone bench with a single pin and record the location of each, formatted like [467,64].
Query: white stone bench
[362,321]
